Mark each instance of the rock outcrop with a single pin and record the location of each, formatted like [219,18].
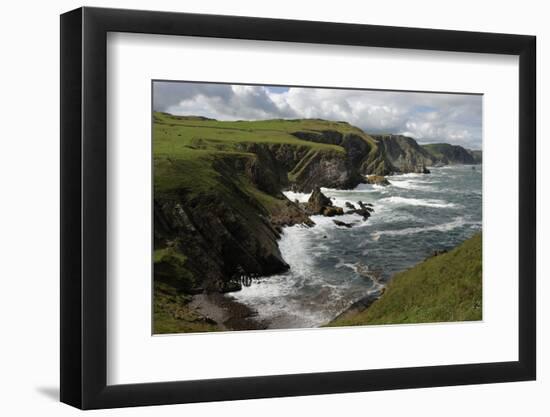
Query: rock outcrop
[319,203]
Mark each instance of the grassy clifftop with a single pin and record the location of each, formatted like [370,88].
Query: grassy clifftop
[443,288]
[196,143]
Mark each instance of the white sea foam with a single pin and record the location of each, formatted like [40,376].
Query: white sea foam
[417,202]
[411,185]
[444,227]
[301,197]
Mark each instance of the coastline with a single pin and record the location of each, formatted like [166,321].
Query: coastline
[224,218]
[228,313]
[214,312]
[445,287]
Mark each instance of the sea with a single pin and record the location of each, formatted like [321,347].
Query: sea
[331,266]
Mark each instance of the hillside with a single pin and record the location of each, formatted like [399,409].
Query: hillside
[446,287]
[444,154]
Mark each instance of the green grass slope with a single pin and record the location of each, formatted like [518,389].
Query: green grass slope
[443,288]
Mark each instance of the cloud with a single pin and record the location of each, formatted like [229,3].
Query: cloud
[428,117]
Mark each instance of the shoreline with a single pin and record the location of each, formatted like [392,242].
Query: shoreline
[226,312]
[229,314]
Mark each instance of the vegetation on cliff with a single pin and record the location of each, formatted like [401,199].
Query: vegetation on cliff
[445,287]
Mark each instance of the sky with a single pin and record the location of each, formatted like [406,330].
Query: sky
[427,117]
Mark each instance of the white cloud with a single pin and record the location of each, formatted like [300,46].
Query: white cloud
[428,117]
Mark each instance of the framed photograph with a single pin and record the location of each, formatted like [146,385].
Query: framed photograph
[257,208]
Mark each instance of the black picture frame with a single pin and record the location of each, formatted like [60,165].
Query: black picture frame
[84,207]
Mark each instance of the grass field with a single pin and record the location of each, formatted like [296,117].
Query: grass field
[443,288]
[185,147]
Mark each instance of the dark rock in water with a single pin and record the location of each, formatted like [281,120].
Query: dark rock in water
[343,224]
[317,202]
[350,205]
[229,286]
[364,210]
[377,179]
[332,211]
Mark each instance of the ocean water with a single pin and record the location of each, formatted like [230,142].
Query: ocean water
[414,216]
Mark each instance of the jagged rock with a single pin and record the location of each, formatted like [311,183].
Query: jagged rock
[317,202]
[289,214]
[332,211]
[377,179]
[350,205]
[343,224]
[364,210]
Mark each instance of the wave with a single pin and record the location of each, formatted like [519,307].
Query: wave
[411,185]
[417,202]
[301,197]
[444,227]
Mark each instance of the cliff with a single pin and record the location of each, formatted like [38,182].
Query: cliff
[446,154]
[404,153]
[445,287]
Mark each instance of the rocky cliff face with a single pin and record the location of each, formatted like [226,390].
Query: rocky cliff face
[227,233]
[362,157]
[446,154]
[404,153]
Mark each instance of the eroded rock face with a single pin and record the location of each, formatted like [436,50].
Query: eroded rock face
[405,154]
[217,239]
[318,202]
